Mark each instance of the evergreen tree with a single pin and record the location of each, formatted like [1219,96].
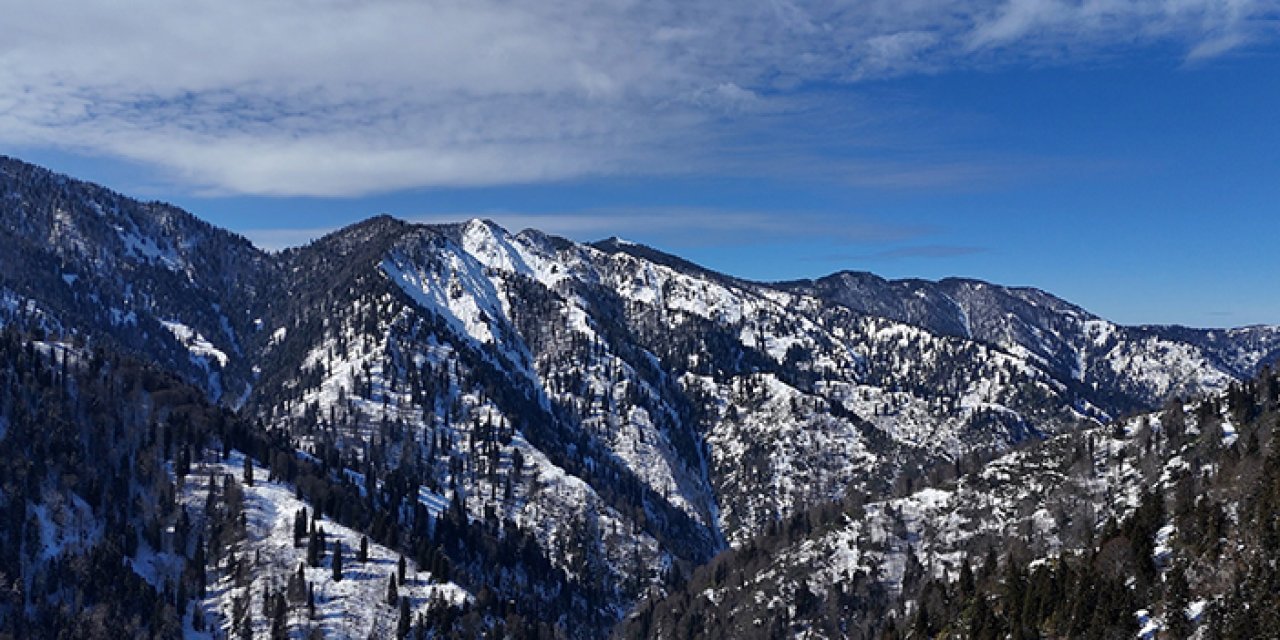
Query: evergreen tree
[337,560]
[402,627]
[1177,594]
[182,466]
[315,547]
[299,526]
[279,618]
[921,628]
[198,560]
[363,554]
[393,593]
[983,624]
[296,589]
[966,579]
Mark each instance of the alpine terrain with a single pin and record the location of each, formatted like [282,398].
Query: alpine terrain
[466,431]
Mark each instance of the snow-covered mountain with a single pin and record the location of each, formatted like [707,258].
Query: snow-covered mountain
[1161,525]
[147,278]
[572,425]
[1123,368]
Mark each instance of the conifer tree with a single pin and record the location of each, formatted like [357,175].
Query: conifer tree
[337,560]
[296,589]
[197,562]
[402,627]
[1177,626]
[279,618]
[966,579]
[314,548]
[299,526]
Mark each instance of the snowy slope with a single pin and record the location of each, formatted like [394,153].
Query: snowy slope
[145,278]
[1120,369]
[1040,503]
[354,607]
[628,413]
[729,405]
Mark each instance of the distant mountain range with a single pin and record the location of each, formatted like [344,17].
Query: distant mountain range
[569,427]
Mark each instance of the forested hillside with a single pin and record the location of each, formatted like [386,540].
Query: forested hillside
[132,512]
[548,432]
[1162,525]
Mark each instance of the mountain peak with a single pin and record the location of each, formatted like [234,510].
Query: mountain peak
[616,243]
[487,223]
[378,230]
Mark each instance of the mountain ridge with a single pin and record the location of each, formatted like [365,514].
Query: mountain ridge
[623,413]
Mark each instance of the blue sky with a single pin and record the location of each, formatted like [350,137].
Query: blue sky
[1123,155]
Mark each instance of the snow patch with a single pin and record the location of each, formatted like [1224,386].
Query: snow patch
[1149,626]
[198,345]
[147,249]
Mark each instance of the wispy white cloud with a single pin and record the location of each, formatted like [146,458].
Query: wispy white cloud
[895,54]
[1053,28]
[325,97]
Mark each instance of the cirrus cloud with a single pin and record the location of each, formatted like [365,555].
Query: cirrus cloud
[334,97]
